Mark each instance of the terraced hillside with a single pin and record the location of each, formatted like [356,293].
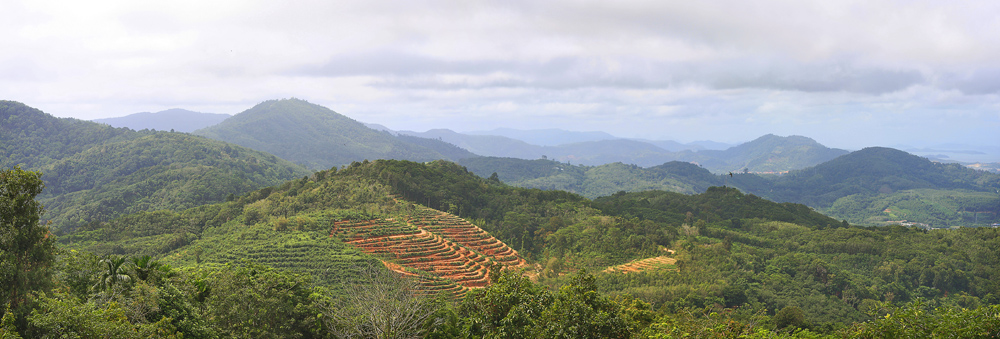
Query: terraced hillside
[445,252]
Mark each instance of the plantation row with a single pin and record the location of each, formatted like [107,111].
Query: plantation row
[446,253]
[461,231]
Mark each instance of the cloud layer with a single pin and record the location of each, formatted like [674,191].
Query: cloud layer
[850,74]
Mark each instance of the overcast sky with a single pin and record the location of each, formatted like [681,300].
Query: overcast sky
[849,74]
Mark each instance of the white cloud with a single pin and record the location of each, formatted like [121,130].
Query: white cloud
[689,70]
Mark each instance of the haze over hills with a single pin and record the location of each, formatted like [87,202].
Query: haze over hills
[769,153]
[870,187]
[94,172]
[485,145]
[877,185]
[547,137]
[315,136]
[176,119]
[595,181]
[318,138]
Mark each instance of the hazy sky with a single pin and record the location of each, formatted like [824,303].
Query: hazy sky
[846,73]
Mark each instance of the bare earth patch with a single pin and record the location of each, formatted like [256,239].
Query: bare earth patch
[648,264]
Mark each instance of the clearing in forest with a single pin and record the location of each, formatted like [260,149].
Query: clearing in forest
[444,252]
[648,264]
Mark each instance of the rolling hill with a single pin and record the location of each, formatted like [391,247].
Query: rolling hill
[325,225]
[867,186]
[769,153]
[94,172]
[873,186]
[595,181]
[319,138]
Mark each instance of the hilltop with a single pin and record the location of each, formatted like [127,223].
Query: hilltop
[878,185]
[319,138]
[769,153]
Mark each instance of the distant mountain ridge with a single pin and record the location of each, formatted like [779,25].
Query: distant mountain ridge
[873,170]
[871,186]
[93,172]
[769,153]
[319,138]
[176,119]
[547,137]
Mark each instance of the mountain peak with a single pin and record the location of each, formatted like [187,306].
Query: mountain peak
[316,136]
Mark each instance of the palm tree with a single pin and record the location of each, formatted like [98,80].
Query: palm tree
[114,274]
[145,266]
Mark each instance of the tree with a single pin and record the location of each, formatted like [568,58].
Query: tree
[790,316]
[251,300]
[26,248]
[114,273]
[145,267]
[381,304]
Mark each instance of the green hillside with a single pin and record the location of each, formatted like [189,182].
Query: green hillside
[874,186]
[94,172]
[743,264]
[31,138]
[876,170]
[868,185]
[153,172]
[319,138]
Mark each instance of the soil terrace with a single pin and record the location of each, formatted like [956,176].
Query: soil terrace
[446,253]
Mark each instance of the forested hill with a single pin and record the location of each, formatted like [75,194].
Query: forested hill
[31,138]
[873,186]
[769,153]
[94,172]
[319,138]
[595,181]
[874,170]
[157,171]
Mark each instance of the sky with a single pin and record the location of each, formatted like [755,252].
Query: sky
[849,74]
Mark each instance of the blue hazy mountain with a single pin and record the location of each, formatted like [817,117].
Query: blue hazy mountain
[179,120]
